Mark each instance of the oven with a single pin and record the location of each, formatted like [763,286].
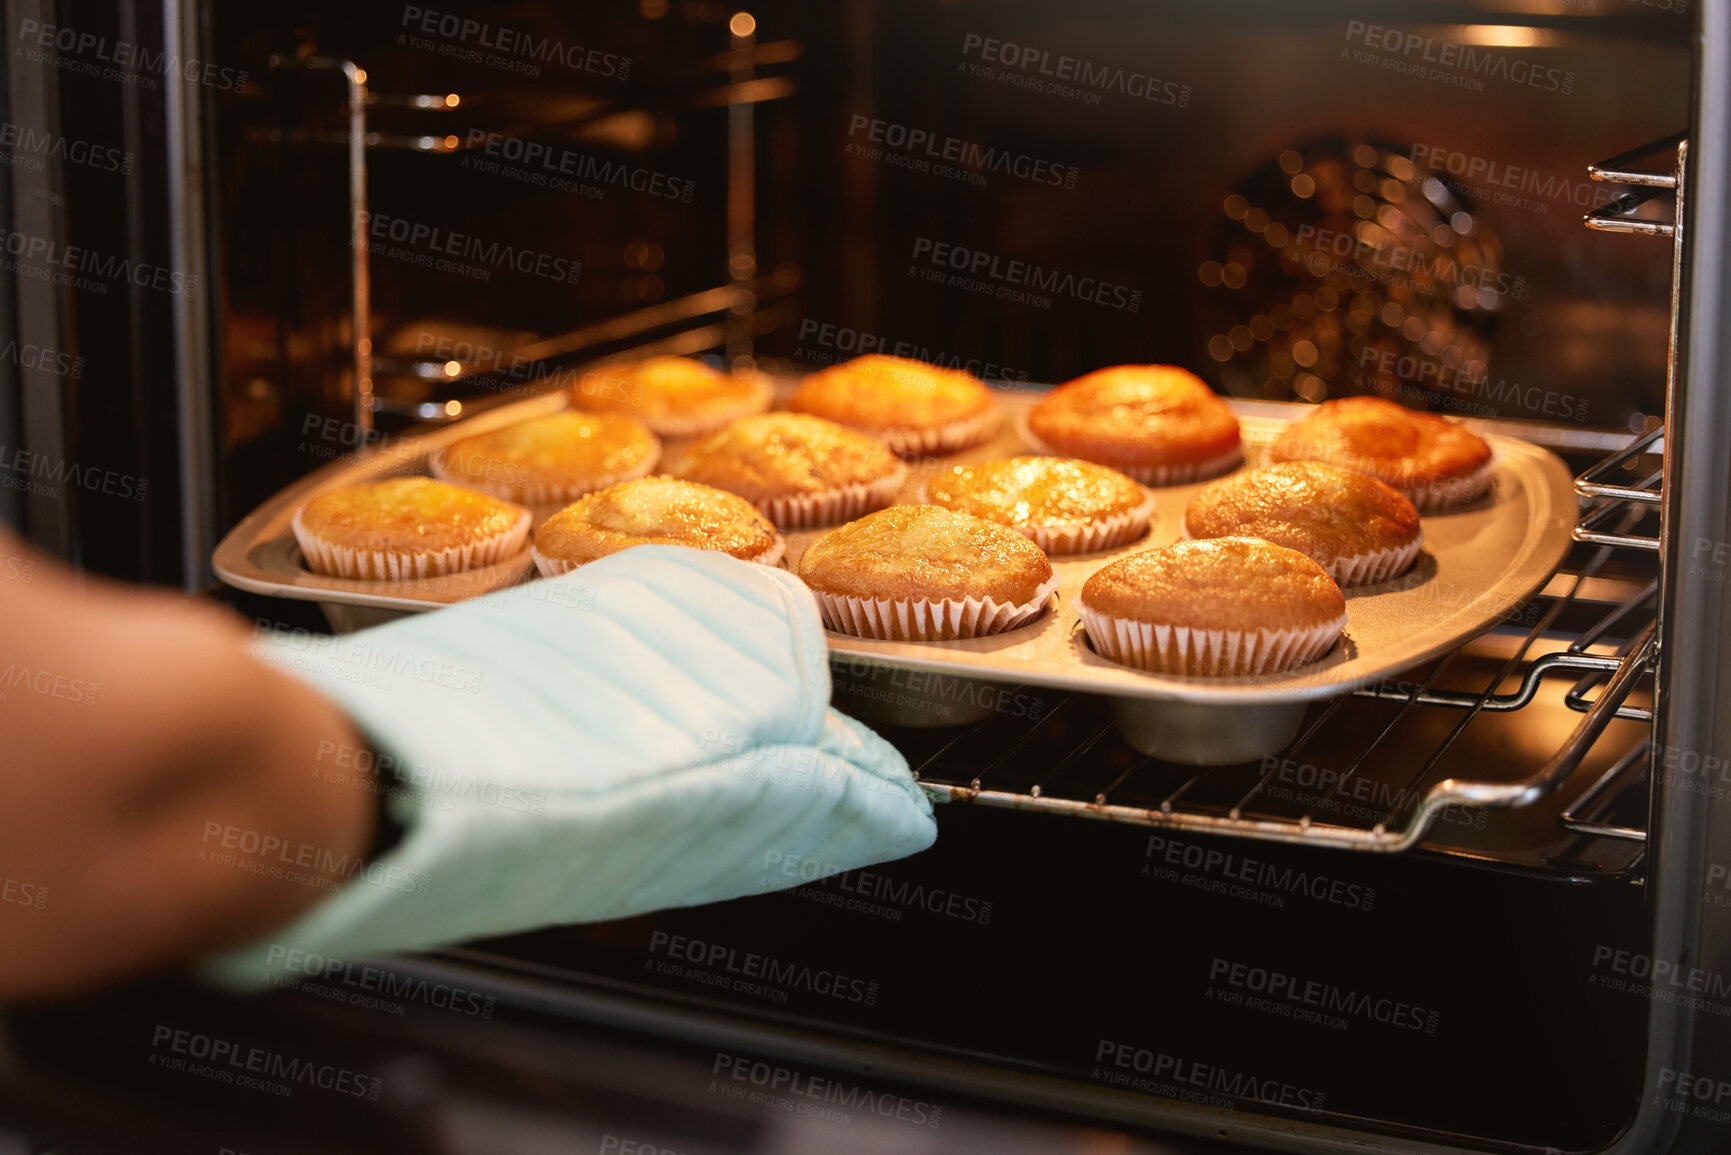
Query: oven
[1478,905]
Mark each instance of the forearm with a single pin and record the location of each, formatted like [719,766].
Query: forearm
[168,805]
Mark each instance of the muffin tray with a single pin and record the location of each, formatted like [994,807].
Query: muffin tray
[1478,563]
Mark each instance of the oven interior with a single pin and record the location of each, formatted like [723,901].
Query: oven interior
[689,177]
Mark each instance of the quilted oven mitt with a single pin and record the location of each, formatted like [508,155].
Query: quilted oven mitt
[641,734]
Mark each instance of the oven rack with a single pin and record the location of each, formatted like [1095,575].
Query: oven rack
[1242,801]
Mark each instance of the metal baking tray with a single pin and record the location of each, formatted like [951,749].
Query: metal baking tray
[1478,564]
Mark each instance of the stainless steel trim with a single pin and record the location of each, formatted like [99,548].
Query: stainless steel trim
[188,233]
[360,305]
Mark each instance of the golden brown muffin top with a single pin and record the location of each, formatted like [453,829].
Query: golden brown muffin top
[1038,492]
[878,392]
[1224,583]
[655,511]
[1322,510]
[787,454]
[1386,440]
[1136,416]
[560,449]
[408,515]
[908,552]
[669,388]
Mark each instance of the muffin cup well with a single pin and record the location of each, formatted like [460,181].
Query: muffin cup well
[542,494]
[1448,492]
[327,557]
[833,506]
[950,437]
[696,425]
[1106,533]
[929,619]
[1359,569]
[554,566]
[1379,565]
[1181,473]
[1191,652]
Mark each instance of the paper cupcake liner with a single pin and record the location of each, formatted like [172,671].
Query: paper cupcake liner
[951,437]
[1379,565]
[928,619]
[554,566]
[1448,492]
[1186,651]
[1182,473]
[1360,569]
[833,506]
[542,494]
[1107,533]
[344,561]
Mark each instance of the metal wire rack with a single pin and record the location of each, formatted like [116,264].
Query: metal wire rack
[1332,787]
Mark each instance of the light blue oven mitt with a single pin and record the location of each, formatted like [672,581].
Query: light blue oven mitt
[651,730]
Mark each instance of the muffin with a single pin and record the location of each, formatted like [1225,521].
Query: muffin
[1228,606]
[1433,461]
[800,471]
[1064,506]
[674,396]
[407,527]
[1158,423]
[559,457]
[653,511]
[912,407]
[922,573]
[1352,525]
